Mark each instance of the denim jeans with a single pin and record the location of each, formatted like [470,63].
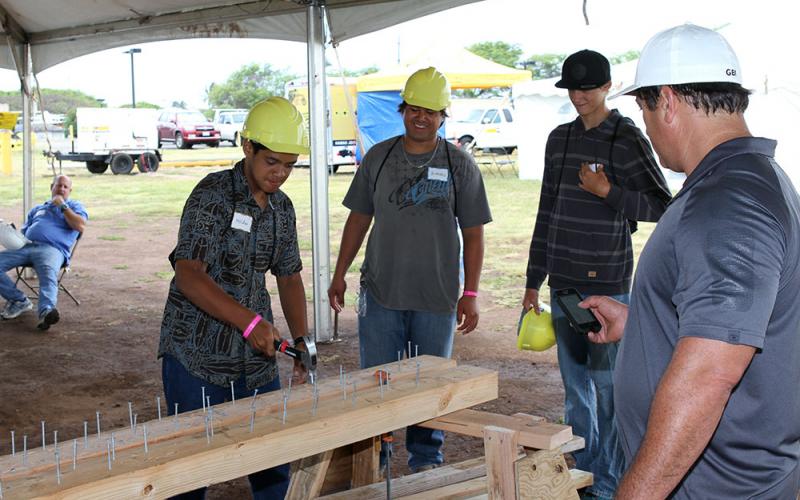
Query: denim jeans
[587,370]
[183,388]
[382,333]
[46,260]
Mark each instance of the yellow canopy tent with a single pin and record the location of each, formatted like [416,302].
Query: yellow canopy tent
[463,69]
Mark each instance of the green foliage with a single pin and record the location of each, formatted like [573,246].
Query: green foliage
[143,105]
[544,66]
[53,100]
[335,73]
[248,85]
[624,57]
[499,52]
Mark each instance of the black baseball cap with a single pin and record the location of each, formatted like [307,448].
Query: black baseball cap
[584,70]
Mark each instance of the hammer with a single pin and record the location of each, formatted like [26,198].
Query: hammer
[307,357]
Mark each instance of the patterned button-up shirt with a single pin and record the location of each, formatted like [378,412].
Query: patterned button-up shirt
[237,260]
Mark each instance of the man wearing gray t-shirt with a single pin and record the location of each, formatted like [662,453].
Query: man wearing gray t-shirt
[707,376]
[419,190]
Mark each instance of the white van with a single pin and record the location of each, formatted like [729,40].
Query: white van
[488,127]
[229,122]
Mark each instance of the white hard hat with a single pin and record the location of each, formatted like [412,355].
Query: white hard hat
[11,238]
[685,54]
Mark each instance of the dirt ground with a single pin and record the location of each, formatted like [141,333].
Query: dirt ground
[103,353]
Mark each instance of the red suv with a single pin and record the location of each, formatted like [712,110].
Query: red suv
[186,128]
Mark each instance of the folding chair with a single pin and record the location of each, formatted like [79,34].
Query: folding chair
[64,270]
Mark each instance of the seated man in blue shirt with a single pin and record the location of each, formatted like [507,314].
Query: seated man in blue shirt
[52,228]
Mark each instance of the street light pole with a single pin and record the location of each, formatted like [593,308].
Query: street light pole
[133,84]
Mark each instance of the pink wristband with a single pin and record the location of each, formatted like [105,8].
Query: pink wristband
[469,293]
[251,326]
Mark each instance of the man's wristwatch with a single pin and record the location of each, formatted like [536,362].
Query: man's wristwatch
[63,207]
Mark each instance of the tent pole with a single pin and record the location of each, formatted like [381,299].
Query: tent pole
[27,115]
[319,172]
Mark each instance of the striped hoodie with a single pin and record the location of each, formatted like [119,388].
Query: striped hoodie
[581,240]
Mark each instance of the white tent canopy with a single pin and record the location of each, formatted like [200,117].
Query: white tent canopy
[43,33]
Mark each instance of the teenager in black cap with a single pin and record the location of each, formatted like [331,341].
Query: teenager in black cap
[600,177]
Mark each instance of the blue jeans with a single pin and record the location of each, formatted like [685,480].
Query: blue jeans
[587,370]
[45,259]
[183,388]
[382,333]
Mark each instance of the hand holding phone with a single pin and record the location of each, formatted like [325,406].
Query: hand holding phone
[582,320]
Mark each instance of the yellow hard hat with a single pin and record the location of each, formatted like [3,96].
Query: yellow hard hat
[536,331]
[276,124]
[427,88]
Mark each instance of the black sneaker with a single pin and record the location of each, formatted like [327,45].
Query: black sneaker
[47,318]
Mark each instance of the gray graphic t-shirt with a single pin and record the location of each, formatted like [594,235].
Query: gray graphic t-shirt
[413,251]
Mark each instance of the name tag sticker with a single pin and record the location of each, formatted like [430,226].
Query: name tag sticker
[437,174]
[241,221]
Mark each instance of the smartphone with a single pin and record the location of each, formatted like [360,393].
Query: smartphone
[582,320]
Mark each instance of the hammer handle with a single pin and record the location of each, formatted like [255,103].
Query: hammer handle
[286,348]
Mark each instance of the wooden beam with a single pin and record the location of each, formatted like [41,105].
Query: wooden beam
[532,433]
[188,461]
[500,446]
[366,462]
[419,482]
[544,474]
[308,474]
[459,491]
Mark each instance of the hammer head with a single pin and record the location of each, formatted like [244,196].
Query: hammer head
[309,356]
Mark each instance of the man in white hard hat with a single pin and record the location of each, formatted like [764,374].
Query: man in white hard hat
[417,187]
[217,334]
[51,230]
[600,177]
[707,377]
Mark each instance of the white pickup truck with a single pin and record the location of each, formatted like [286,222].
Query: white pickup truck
[490,128]
[229,122]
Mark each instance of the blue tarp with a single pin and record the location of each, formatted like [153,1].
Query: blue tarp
[378,118]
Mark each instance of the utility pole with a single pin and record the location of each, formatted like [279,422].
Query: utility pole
[133,83]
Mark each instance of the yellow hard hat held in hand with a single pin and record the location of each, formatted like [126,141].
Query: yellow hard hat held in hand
[535,331]
[276,124]
[427,88]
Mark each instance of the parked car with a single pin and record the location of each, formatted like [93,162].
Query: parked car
[489,128]
[229,122]
[186,128]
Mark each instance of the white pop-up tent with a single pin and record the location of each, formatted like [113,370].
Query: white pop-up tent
[43,33]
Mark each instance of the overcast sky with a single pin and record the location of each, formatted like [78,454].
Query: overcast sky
[181,70]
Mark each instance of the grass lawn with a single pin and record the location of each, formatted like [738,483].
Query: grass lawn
[133,199]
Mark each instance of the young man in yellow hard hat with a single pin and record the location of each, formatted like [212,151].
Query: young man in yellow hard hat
[418,188]
[217,333]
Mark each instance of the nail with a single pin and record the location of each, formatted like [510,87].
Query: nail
[55,439]
[233,396]
[204,398]
[211,420]
[58,466]
[144,429]
[74,454]
[409,349]
[24,449]
[113,447]
[135,417]
[285,399]
[85,434]
[255,395]
[341,374]
[13,444]
[416,350]
[108,453]
[176,416]
[208,438]
[97,416]
[158,405]
[252,418]
[130,417]
[43,437]
[208,401]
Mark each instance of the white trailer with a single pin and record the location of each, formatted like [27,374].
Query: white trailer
[116,137]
